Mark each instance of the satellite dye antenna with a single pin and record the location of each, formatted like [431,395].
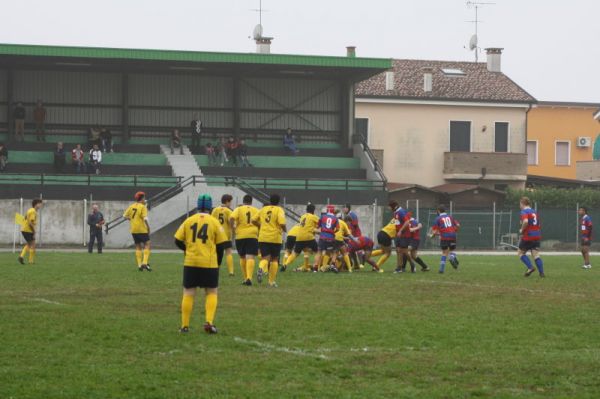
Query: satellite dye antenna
[473,43]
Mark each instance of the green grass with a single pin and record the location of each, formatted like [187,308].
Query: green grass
[78,325]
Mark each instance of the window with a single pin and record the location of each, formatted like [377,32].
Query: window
[562,153]
[501,137]
[361,127]
[532,153]
[460,136]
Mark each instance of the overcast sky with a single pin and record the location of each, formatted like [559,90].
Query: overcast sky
[552,47]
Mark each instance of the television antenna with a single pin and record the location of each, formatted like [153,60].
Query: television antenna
[473,43]
[257,33]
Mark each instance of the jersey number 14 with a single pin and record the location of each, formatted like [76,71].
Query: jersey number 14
[202,234]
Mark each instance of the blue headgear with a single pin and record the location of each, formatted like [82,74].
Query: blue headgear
[204,202]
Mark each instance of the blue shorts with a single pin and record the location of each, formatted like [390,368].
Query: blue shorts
[448,244]
[403,242]
[529,245]
[325,245]
[414,243]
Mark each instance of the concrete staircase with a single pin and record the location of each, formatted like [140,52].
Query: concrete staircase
[166,212]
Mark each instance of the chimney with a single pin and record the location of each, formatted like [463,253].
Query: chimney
[263,45]
[351,51]
[389,80]
[494,59]
[427,79]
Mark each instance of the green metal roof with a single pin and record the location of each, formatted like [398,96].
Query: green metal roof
[193,56]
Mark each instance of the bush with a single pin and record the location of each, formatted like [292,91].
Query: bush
[557,197]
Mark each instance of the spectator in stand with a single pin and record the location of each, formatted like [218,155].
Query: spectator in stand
[3,157]
[210,152]
[39,117]
[176,142]
[243,153]
[19,115]
[95,221]
[94,136]
[78,159]
[231,148]
[95,159]
[196,126]
[221,152]
[289,142]
[59,158]
[106,139]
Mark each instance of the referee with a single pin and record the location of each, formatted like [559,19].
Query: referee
[95,221]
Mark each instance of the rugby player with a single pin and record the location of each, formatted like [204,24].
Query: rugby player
[223,215]
[271,221]
[585,235]
[305,239]
[246,237]
[28,231]
[531,235]
[446,227]
[137,214]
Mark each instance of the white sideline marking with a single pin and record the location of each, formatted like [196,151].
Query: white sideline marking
[528,290]
[46,301]
[273,348]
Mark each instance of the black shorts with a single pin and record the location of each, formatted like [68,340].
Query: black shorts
[338,245]
[290,242]
[247,246]
[326,245]
[29,237]
[585,243]
[269,249]
[202,277]
[448,244]
[140,238]
[414,243]
[529,245]
[383,239]
[227,244]
[402,242]
[302,245]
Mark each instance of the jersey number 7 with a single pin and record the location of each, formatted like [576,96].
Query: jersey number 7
[202,234]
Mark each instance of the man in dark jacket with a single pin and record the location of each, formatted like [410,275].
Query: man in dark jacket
[196,126]
[19,116]
[95,221]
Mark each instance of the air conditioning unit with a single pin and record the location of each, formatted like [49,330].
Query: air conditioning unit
[584,141]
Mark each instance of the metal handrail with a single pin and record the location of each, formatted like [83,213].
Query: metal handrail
[374,161]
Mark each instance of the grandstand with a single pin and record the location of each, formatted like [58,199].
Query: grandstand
[141,96]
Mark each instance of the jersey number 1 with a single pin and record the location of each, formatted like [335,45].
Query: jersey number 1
[202,234]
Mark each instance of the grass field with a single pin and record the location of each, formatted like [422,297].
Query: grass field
[88,326]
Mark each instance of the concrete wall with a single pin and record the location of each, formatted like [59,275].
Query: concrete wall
[414,137]
[588,170]
[63,222]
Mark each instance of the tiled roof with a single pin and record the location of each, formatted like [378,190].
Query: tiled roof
[477,83]
[455,188]
[394,187]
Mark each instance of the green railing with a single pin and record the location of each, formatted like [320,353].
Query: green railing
[89,180]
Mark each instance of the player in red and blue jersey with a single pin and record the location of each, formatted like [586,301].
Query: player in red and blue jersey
[531,235]
[328,226]
[415,229]
[353,225]
[361,244]
[402,240]
[585,233]
[446,227]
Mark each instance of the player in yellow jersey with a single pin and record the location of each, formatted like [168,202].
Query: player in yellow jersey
[223,215]
[290,242]
[201,237]
[385,237]
[271,220]
[137,214]
[305,238]
[28,231]
[246,237]
[341,235]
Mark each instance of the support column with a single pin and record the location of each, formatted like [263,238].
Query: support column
[125,107]
[236,105]
[9,100]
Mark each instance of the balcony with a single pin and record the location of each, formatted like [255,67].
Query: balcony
[496,166]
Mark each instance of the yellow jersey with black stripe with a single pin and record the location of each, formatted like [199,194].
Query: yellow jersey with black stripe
[223,215]
[343,231]
[308,224]
[201,233]
[242,217]
[390,228]
[137,214]
[30,220]
[270,219]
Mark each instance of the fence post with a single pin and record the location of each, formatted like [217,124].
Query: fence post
[135,181]
[41,220]
[14,238]
[417,212]
[577,227]
[494,225]
[83,222]
[21,211]
[187,205]
[451,208]
[373,219]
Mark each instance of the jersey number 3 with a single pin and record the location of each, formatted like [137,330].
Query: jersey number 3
[202,234]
